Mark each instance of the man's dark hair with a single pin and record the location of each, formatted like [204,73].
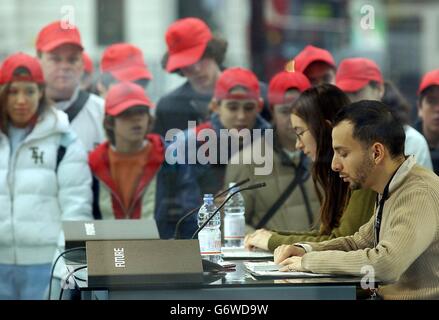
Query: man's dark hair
[373,122]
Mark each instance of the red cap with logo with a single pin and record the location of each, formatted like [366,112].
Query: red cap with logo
[17,60]
[429,79]
[186,40]
[312,54]
[56,34]
[237,77]
[354,74]
[125,62]
[125,95]
[88,64]
[284,81]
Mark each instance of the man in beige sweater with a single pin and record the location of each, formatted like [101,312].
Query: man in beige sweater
[400,244]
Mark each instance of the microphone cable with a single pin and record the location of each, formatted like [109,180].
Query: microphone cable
[54,264]
[67,279]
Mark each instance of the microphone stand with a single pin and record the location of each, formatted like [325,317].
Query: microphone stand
[179,222]
[254,186]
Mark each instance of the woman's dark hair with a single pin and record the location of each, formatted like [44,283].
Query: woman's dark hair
[397,103]
[316,107]
[373,122]
[43,104]
[216,49]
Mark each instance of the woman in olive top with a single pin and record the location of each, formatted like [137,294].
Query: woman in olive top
[341,213]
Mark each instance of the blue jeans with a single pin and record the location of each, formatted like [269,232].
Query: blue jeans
[24,282]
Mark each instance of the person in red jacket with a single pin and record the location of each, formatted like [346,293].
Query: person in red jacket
[125,167]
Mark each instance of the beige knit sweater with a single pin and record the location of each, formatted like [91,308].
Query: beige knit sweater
[406,258]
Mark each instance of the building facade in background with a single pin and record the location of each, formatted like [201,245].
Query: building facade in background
[262,34]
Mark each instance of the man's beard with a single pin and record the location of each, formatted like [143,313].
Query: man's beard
[362,173]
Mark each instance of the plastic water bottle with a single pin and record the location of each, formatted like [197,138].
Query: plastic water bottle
[210,236]
[234,220]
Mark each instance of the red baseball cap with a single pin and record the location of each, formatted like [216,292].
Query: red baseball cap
[282,82]
[14,61]
[429,79]
[125,95]
[234,77]
[56,34]
[186,40]
[354,74]
[88,64]
[312,54]
[125,62]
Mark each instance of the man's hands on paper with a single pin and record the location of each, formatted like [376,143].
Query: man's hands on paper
[291,264]
[290,257]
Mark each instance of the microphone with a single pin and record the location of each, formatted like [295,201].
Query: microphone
[253,186]
[177,226]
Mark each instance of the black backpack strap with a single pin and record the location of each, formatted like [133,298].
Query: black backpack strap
[60,155]
[65,141]
[97,215]
[77,106]
[301,176]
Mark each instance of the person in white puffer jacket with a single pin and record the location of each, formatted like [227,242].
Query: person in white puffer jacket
[38,188]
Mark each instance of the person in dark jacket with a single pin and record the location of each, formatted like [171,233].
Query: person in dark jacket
[201,153]
[298,211]
[196,54]
[428,111]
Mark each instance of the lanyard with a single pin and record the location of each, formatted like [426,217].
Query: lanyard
[380,210]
